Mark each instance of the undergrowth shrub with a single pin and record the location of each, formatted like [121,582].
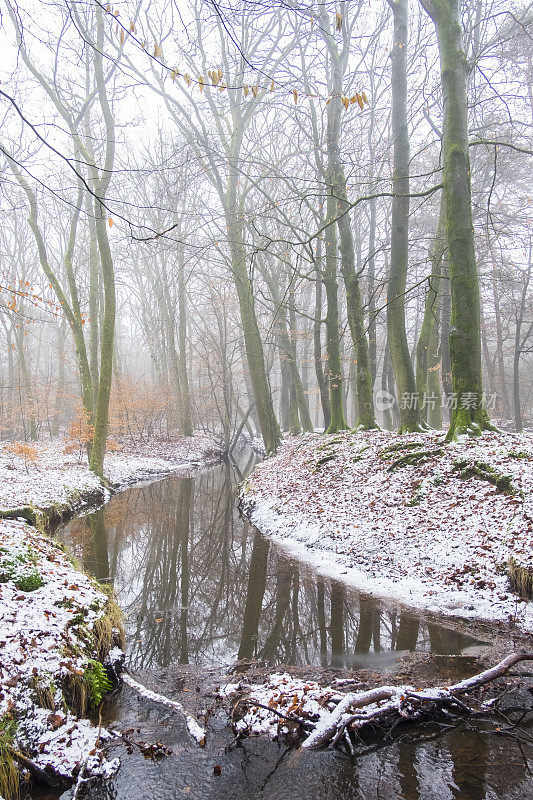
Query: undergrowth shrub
[18,566]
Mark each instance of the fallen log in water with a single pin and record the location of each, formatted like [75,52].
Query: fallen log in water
[326,716]
[195,729]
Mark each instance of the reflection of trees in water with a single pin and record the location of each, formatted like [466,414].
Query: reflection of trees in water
[337,626]
[254,596]
[199,584]
[407,771]
[468,755]
[462,764]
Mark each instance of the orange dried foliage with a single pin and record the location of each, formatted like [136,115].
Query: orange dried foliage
[79,433]
[137,409]
[28,452]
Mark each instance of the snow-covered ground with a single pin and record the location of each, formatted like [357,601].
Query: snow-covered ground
[55,621]
[49,616]
[57,478]
[430,533]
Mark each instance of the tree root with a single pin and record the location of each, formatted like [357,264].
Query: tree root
[469,468]
[398,447]
[414,458]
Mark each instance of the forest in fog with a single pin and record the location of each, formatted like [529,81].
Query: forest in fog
[273,261]
[240,217]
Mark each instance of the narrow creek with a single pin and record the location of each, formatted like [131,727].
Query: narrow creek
[201,590]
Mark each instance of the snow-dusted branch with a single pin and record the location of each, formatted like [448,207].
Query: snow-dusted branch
[194,728]
[329,715]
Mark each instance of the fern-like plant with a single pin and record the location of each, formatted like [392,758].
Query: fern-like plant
[98,683]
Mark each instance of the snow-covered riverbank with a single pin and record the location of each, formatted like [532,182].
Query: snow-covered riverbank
[406,517]
[63,481]
[55,628]
[57,625]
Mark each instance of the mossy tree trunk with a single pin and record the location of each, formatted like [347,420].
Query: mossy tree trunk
[100,181]
[337,421]
[336,182]
[252,339]
[470,415]
[399,347]
[427,371]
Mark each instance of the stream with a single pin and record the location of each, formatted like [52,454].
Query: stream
[203,593]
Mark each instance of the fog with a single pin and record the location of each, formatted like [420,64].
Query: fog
[247,217]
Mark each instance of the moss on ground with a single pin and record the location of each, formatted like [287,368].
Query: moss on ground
[471,468]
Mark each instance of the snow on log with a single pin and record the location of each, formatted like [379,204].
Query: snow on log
[326,715]
[195,729]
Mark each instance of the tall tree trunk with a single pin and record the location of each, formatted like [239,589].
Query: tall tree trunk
[285,392]
[101,184]
[287,353]
[334,369]
[499,343]
[248,385]
[434,412]
[516,380]
[252,339]
[27,380]
[337,191]
[388,421]
[427,344]
[470,415]
[59,398]
[372,333]
[520,342]
[297,382]
[446,369]
[93,298]
[401,357]
[356,320]
[317,340]
[186,426]
[101,417]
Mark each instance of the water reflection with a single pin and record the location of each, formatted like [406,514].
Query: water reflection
[200,585]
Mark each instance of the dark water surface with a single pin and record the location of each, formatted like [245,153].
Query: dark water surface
[201,587]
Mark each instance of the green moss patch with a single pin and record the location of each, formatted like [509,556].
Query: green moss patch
[18,566]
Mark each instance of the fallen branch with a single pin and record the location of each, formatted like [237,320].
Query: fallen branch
[332,716]
[304,723]
[50,779]
[195,729]
[402,700]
